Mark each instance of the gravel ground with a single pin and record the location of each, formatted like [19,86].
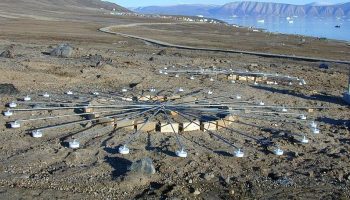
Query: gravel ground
[44,168]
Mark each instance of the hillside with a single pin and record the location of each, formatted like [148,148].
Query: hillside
[250,8]
[37,7]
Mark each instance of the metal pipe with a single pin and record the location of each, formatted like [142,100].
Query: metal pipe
[71,115]
[81,107]
[172,127]
[90,120]
[137,133]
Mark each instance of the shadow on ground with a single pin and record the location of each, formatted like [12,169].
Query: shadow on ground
[315,97]
[336,122]
[120,165]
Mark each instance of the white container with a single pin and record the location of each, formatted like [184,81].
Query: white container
[275,83]
[315,130]
[261,103]
[124,90]
[211,79]
[46,95]
[96,93]
[8,113]
[304,140]
[182,153]
[192,77]
[210,92]
[13,105]
[166,73]
[124,150]
[284,109]
[27,98]
[69,92]
[238,96]
[74,144]
[239,153]
[177,76]
[290,83]
[15,124]
[161,71]
[37,134]
[152,90]
[313,124]
[302,117]
[233,81]
[181,90]
[255,83]
[278,152]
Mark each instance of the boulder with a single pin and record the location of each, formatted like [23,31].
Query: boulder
[162,52]
[144,166]
[8,89]
[62,50]
[98,60]
[324,66]
[9,52]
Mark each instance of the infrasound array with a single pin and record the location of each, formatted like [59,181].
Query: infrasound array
[176,112]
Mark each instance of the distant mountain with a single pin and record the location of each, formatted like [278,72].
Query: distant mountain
[251,8]
[320,4]
[186,9]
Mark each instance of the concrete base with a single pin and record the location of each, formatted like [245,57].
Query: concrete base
[167,128]
[106,121]
[211,126]
[149,126]
[347,97]
[125,123]
[188,126]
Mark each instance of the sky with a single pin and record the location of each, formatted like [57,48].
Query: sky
[138,3]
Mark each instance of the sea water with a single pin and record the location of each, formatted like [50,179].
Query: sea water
[309,26]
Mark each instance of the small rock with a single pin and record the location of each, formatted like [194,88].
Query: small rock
[190,181]
[295,154]
[162,52]
[274,176]
[208,176]
[196,192]
[232,192]
[273,65]
[311,174]
[98,60]
[177,54]
[62,50]
[151,59]
[228,180]
[8,89]
[340,176]
[324,66]
[9,52]
[143,166]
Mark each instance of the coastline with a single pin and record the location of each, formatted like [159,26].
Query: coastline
[269,31]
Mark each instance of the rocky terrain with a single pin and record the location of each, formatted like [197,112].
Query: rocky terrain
[45,55]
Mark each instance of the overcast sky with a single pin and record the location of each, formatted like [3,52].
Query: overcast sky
[138,3]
